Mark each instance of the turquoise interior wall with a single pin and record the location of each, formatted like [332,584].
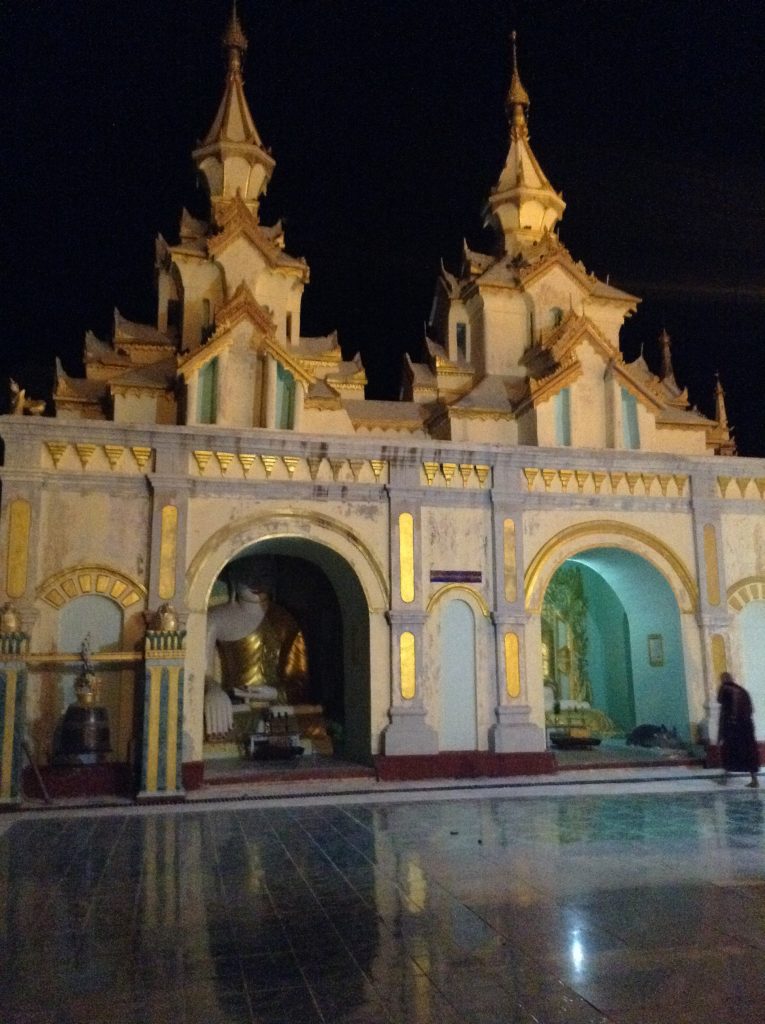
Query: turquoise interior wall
[643,596]
[752,635]
[208,392]
[457,678]
[609,662]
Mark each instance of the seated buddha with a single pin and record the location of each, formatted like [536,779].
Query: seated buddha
[261,651]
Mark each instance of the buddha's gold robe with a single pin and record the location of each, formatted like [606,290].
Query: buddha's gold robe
[274,655]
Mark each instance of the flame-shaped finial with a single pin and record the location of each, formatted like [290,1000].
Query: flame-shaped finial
[234,40]
[517,97]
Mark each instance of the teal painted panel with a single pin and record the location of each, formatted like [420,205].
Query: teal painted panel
[458,677]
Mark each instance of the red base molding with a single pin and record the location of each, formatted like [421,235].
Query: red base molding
[193,774]
[111,779]
[463,764]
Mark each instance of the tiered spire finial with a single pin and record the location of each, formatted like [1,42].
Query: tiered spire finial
[232,157]
[517,97]
[523,206]
[667,371]
[234,40]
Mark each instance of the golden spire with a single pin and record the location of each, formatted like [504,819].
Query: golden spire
[721,414]
[517,97]
[667,371]
[721,436]
[234,40]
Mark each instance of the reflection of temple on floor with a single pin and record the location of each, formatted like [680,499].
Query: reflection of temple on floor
[305,721]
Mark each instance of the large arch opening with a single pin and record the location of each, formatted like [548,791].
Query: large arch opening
[321,592]
[612,650]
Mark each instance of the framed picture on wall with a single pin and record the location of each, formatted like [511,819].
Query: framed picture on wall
[655,649]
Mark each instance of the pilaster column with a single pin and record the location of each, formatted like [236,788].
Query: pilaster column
[713,615]
[162,733]
[408,732]
[513,730]
[13,684]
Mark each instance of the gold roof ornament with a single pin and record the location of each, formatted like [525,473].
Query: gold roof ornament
[234,40]
[517,98]
[720,438]
[667,371]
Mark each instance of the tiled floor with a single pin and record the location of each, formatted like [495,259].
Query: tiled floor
[583,907]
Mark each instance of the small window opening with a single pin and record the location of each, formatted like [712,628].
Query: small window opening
[462,340]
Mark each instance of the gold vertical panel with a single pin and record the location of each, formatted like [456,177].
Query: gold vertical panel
[511,581]
[512,665]
[406,555]
[408,666]
[168,548]
[171,756]
[710,561]
[719,661]
[152,746]
[19,520]
[8,727]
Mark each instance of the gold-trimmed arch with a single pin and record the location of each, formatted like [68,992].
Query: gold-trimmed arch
[752,588]
[450,588]
[91,579]
[231,539]
[607,533]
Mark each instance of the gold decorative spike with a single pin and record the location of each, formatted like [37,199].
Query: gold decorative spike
[269,461]
[85,453]
[291,462]
[377,467]
[582,476]
[356,467]
[482,472]
[431,468]
[246,462]
[113,454]
[648,479]
[598,477]
[564,476]
[201,457]
[142,455]
[632,479]
[723,482]
[680,482]
[616,479]
[466,471]
[531,475]
[56,450]
[743,482]
[664,479]
[548,475]
[759,483]
[224,461]
[314,463]
[448,469]
[336,465]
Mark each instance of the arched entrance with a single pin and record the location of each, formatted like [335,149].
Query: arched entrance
[332,582]
[612,642]
[319,589]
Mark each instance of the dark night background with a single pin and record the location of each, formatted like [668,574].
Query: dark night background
[387,123]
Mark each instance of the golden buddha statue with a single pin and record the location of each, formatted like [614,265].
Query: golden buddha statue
[260,649]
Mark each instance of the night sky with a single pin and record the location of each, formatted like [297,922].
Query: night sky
[386,119]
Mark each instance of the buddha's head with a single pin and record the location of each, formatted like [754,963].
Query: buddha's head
[250,583]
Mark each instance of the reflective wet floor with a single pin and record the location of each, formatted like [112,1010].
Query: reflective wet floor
[636,908]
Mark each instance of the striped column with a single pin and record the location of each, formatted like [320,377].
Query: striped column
[161,751]
[13,684]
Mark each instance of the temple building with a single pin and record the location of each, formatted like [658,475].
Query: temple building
[538,538]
